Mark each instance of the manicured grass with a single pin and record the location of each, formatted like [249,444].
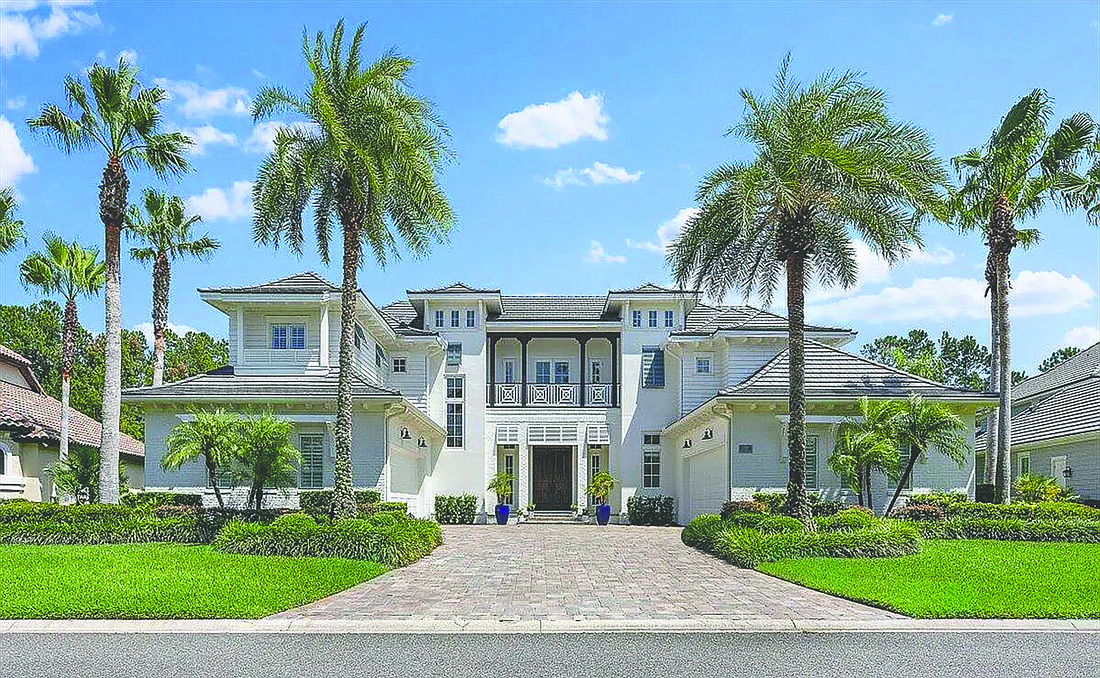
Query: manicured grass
[164,581]
[963,579]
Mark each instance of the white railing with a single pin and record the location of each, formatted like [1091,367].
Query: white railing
[549,395]
[553,394]
[597,395]
[508,394]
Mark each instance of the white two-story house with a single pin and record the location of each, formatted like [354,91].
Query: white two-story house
[670,395]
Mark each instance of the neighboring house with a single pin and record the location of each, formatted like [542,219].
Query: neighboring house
[1056,424]
[670,395]
[30,425]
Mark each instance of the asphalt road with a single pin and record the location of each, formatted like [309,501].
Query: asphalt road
[912,655]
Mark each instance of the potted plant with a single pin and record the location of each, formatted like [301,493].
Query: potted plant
[501,485]
[600,489]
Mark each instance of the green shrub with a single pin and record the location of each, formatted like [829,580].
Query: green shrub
[367,510]
[1013,529]
[732,507]
[918,512]
[746,519]
[1035,487]
[745,547]
[776,501]
[848,520]
[1049,510]
[318,502]
[831,507]
[702,530]
[772,501]
[658,510]
[155,499]
[69,514]
[385,538]
[773,524]
[943,500]
[456,509]
[132,530]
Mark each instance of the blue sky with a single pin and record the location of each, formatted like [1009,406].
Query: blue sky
[581,133]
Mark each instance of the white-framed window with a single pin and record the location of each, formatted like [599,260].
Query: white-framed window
[455,388]
[510,469]
[653,367]
[702,365]
[811,462]
[6,465]
[360,337]
[380,359]
[651,439]
[653,318]
[651,459]
[670,318]
[454,353]
[400,366]
[312,448]
[454,318]
[595,465]
[439,318]
[471,318]
[509,370]
[635,318]
[542,371]
[595,372]
[744,448]
[288,336]
[1025,465]
[561,372]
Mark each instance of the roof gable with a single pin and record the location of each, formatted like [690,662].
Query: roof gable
[454,288]
[306,282]
[36,417]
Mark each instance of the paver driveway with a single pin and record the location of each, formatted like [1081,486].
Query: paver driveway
[546,572]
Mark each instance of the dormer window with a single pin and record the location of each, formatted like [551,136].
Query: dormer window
[439,318]
[288,336]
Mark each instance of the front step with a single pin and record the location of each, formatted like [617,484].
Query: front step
[551,517]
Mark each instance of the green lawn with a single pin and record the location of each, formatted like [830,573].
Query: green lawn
[964,579]
[164,581]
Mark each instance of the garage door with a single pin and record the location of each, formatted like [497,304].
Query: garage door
[707,482]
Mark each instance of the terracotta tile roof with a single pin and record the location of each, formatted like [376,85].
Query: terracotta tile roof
[22,364]
[36,417]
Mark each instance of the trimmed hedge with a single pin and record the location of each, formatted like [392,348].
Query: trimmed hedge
[776,524]
[746,547]
[732,507]
[456,509]
[399,507]
[32,523]
[1013,529]
[1048,510]
[318,502]
[919,512]
[658,510]
[943,500]
[384,538]
[702,530]
[67,514]
[773,502]
[155,499]
[848,520]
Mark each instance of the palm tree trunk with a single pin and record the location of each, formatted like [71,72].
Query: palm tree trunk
[1004,411]
[991,428]
[212,473]
[343,496]
[798,505]
[162,276]
[902,481]
[68,357]
[870,500]
[112,208]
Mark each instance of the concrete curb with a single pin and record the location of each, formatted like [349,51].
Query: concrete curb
[536,626]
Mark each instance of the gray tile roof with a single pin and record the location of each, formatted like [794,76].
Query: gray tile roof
[705,319]
[222,384]
[1071,410]
[652,288]
[307,282]
[454,288]
[1084,364]
[547,307]
[404,319]
[833,373]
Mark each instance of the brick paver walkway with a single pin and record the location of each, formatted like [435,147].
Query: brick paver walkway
[522,572]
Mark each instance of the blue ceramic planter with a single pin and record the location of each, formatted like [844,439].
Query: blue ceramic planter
[502,514]
[603,514]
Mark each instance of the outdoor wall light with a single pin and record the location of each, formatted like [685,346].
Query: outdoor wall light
[405,435]
[687,443]
[708,434]
[1067,472]
[421,443]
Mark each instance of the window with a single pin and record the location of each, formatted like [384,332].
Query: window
[454,354]
[651,438]
[636,318]
[510,469]
[811,462]
[285,336]
[454,318]
[595,465]
[439,318]
[670,318]
[595,373]
[360,336]
[312,448]
[1025,465]
[455,388]
[561,372]
[702,365]
[653,318]
[400,366]
[471,318]
[651,467]
[509,371]
[542,372]
[454,424]
[744,449]
[380,359]
[653,367]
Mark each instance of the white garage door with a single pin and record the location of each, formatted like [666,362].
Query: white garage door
[707,482]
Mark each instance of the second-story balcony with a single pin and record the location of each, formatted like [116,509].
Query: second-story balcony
[553,369]
[554,395]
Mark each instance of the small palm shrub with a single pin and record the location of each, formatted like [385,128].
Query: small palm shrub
[659,510]
[452,509]
[732,507]
[1036,488]
[848,520]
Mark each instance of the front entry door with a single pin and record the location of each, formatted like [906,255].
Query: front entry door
[552,478]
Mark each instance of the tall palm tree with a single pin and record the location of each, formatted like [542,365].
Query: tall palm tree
[368,161]
[919,426]
[168,234]
[121,119]
[1019,171]
[11,229]
[865,444]
[829,160]
[212,436]
[72,271]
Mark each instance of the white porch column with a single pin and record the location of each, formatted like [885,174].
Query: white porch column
[582,474]
[324,332]
[523,470]
[240,335]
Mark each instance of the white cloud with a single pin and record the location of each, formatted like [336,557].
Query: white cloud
[1082,337]
[598,255]
[15,103]
[25,25]
[1033,293]
[196,101]
[942,19]
[937,255]
[216,204]
[666,232]
[256,73]
[598,173]
[147,330]
[14,161]
[262,139]
[208,135]
[550,125]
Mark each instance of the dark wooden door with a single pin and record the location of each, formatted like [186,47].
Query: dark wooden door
[552,478]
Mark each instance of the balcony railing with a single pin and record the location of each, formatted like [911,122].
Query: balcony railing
[553,395]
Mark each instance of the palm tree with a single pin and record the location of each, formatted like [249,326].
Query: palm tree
[1019,171]
[72,271]
[865,444]
[168,234]
[267,457]
[368,161]
[920,425]
[11,229]
[828,160]
[121,119]
[211,436]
